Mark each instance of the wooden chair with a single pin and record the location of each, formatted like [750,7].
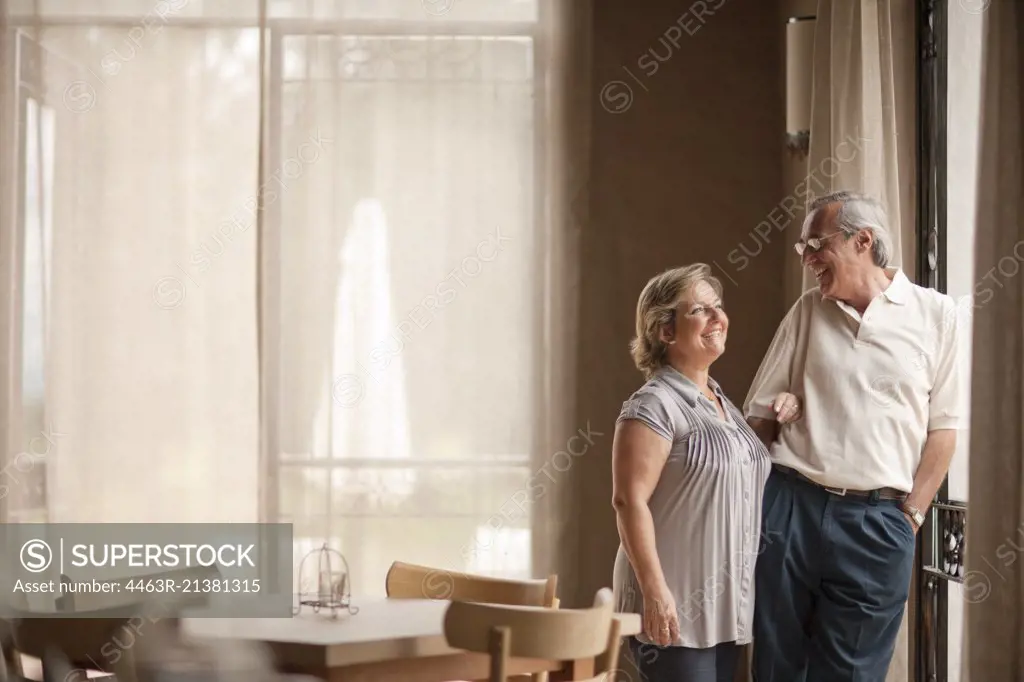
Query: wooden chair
[587,638]
[410,581]
[99,641]
[93,642]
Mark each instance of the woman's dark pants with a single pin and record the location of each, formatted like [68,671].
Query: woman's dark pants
[682,664]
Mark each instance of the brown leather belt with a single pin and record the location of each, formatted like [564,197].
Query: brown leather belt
[877,493]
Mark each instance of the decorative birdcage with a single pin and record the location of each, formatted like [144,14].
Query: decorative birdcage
[333,589]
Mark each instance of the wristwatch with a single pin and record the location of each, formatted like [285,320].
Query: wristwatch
[915,514]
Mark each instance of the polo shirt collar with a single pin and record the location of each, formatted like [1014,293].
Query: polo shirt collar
[899,288]
[897,292]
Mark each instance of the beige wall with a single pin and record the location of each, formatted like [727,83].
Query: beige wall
[683,174]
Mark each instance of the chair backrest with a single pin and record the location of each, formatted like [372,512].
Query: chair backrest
[506,631]
[410,581]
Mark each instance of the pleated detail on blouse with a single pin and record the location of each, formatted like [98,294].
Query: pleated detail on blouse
[706,508]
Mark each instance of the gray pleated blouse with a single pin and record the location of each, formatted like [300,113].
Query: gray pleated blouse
[706,508]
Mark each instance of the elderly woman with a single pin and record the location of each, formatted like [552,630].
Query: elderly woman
[688,476]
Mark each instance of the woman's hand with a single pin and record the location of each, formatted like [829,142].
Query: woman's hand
[787,408]
[661,620]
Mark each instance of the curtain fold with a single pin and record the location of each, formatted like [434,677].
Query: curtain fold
[994,582]
[567,50]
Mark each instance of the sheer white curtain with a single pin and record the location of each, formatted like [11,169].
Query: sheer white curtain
[367,339]
[138,138]
[403,332]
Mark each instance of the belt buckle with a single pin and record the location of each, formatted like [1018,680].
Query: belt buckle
[841,492]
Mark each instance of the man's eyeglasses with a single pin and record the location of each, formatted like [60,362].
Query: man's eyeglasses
[814,243]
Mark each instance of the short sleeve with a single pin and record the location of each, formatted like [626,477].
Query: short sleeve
[652,409]
[774,374]
[945,405]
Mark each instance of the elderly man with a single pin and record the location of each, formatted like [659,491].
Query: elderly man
[874,359]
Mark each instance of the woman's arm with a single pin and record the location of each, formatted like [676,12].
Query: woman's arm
[638,456]
[766,429]
[787,408]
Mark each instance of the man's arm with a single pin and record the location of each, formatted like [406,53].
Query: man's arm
[772,378]
[935,460]
[945,414]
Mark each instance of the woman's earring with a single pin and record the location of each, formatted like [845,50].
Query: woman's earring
[671,343]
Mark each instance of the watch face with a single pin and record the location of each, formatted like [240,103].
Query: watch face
[915,514]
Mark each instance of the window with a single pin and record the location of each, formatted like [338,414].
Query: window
[400,270]
[407,288]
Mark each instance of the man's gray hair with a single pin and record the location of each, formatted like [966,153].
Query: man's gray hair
[859,212]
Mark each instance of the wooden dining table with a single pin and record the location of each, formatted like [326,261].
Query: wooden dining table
[388,640]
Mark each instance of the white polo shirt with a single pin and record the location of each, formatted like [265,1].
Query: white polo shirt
[872,387]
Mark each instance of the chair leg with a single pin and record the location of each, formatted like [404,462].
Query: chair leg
[501,638]
[57,667]
[608,662]
[11,661]
[125,668]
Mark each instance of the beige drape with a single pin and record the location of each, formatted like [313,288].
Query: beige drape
[557,507]
[862,139]
[994,582]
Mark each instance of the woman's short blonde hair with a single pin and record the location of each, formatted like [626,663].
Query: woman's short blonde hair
[657,308]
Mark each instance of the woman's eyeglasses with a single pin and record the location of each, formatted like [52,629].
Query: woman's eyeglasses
[703,310]
[814,243]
